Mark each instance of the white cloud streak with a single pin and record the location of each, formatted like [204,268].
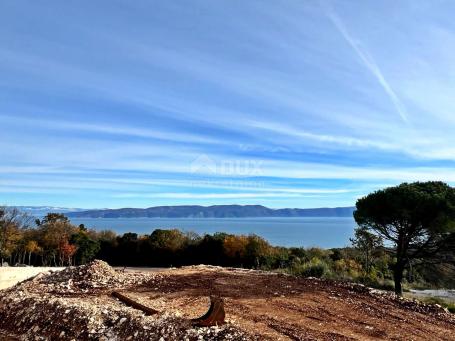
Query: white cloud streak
[368,61]
[110,129]
[205,195]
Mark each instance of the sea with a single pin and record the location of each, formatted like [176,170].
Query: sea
[325,232]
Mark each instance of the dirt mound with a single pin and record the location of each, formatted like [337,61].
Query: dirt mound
[89,279]
[75,304]
[69,319]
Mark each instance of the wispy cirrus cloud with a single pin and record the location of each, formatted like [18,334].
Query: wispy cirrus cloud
[367,60]
[108,128]
[127,105]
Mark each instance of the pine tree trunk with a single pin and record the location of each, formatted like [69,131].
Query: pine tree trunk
[398,278]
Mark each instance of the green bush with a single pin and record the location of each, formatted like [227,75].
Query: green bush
[317,253]
[434,300]
[314,268]
[451,307]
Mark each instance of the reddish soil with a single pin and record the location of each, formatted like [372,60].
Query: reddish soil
[280,307]
[259,306]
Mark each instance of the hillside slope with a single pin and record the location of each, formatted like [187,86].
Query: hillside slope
[216,211]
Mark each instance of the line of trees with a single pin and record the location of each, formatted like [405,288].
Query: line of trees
[176,248]
[405,233]
[52,241]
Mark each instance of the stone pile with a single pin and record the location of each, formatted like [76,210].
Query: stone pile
[387,296]
[75,304]
[91,278]
[50,318]
[413,304]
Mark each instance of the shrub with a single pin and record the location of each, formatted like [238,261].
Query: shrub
[314,268]
[235,246]
[318,253]
[347,268]
[451,307]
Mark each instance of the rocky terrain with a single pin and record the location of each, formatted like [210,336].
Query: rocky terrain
[76,304]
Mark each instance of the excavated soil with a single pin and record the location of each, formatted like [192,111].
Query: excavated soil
[76,304]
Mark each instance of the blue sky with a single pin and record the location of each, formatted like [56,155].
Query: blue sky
[280,103]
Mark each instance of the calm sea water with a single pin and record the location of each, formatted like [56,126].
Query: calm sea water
[322,232]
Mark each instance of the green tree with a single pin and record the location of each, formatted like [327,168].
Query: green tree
[171,240]
[366,242]
[87,248]
[257,251]
[418,219]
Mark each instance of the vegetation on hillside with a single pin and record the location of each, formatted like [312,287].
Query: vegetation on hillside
[405,234]
[55,242]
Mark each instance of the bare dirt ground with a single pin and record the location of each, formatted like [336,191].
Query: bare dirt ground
[259,306]
[280,307]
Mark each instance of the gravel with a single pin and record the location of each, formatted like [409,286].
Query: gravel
[75,304]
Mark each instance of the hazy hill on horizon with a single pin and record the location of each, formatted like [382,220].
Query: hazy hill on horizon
[43,210]
[215,211]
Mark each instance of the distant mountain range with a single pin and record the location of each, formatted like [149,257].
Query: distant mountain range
[40,211]
[217,211]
